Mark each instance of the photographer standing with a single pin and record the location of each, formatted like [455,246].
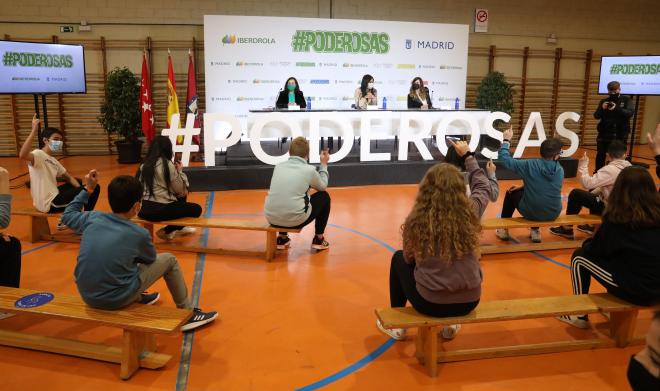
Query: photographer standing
[614,113]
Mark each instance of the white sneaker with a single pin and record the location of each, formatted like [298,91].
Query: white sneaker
[185,231]
[502,234]
[165,236]
[5,315]
[574,321]
[61,226]
[449,332]
[535,234]
[397,334]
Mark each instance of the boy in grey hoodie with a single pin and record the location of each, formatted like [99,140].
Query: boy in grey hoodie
[288,205]
[598,188]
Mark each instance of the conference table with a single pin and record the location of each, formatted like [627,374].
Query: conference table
[381,124]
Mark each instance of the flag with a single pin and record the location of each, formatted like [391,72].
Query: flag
[191,95]
[172,100]
[145,102]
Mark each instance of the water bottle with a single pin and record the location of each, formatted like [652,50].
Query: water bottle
[456,104]
[384,103]
[309,103]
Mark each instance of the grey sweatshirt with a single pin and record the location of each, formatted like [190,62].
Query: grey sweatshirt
[447,281]
[287,203]
[5,210]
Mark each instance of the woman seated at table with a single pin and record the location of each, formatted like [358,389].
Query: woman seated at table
[418,97]
[291,95]
[366,94]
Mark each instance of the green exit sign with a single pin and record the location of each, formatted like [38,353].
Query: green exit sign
[66,29]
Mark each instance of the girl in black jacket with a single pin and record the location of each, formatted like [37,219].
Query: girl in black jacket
[291,86]
[624,254]
[418,97]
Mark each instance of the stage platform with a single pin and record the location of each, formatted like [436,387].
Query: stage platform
[238,168]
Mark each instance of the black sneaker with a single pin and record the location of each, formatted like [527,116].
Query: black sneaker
[563,232]
[320,244]
[199,319]
[283,242]
[149,298]
[586,228]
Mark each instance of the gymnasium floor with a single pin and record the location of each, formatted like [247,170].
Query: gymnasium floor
[306,321]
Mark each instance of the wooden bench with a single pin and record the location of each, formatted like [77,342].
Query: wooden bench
[40,231]
[519,222]
[139,323]
[429,350]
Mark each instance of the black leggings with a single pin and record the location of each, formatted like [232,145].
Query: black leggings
[511,201]
[157,211]
[578,198]
[320,213]
[10,262]
[67,192]
[403,288]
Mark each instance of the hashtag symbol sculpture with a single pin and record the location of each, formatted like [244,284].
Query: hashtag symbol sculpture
[298,41]
[188,132]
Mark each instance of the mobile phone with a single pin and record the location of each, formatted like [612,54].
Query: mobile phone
[454,139]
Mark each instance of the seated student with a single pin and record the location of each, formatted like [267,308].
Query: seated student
[366,94]
[165,190]
[624,253]
[494,190]
[289,205]
[291,95]
[45,170]
[10,247]
[117,260]
[438,269]
[539,198]
[600,185]
[419,97]
[654,144]
[644,367]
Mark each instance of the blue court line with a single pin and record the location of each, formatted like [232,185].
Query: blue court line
[37,248]
[188,338]
[350,369]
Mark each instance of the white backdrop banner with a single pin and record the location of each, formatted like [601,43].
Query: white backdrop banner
[248,59]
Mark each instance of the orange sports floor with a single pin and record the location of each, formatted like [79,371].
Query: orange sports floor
[306,321]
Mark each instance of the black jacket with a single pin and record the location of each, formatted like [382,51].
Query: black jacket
[415,103]
[614,123]
[283,100]
[633,258]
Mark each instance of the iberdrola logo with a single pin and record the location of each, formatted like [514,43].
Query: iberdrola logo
[229,39]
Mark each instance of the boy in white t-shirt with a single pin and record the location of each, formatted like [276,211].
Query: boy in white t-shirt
[45,170]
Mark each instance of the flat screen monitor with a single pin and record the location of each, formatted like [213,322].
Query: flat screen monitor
[638,75]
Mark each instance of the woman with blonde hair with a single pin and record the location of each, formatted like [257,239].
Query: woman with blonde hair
[438,269]
[418,96]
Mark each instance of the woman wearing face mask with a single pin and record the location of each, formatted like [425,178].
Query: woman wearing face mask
[418,97]
[45,171]
[291,95]
[366,94]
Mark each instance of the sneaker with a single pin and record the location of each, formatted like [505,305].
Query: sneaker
[283,242]
[199,319]
[580,322]
[319,244]
[449,332]
[185,231]
[587,228]
[149,298]
[535,234]
[502,234]
[396,334]
[563,232]
[164,235]
[61,226]
[5,315]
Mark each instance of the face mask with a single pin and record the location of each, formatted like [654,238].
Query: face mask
[416,86]
[614,96]
[370,86]
[56,145]
[291,87]
[639,378]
